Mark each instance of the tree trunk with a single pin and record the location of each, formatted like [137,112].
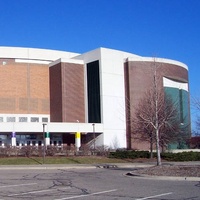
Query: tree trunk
[158,148]
[151,147]
[156,119]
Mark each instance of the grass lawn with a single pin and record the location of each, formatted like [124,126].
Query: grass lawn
[58,160]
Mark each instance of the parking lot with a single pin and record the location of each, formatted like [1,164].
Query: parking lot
[91,183]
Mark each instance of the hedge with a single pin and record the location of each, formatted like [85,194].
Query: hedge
[129,154]
[184,156]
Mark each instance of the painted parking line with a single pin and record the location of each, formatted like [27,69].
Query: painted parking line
[86,195]
[5,186]
[159,195]
[35,192]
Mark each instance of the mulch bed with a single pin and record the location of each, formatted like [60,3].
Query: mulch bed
[171,170]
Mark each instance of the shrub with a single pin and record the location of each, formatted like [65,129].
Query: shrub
[184,156]
[124,154]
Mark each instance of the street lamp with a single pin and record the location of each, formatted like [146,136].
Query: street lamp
[44,146]
[93,125]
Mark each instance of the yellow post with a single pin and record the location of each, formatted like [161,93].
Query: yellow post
[77,140]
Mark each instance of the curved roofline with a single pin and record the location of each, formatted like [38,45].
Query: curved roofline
[34,53]
[53,55]
[160,60]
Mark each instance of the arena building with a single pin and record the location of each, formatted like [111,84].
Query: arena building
[76,98]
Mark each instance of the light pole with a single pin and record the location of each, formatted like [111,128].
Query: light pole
[93,125]
[44,146]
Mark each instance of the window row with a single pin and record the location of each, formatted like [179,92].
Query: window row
[22,119]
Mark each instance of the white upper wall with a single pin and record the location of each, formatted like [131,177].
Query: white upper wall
[175,84]
[96,53]
[61,127]
[89,56]
[61,60]
[160,60]
[34,53]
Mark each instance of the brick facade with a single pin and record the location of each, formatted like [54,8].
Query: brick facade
[139,78]
[24,88]
[67,93]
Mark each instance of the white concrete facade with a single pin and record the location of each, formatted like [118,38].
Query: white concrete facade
[112,94]
[113,98]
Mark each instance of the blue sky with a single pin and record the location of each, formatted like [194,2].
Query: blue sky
[157,28]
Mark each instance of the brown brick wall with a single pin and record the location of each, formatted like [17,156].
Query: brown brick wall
[55,93]
[24,88]
[67,93]
[138,78]
[73,92]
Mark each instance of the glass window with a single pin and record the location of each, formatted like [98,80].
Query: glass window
[44,119]
[18,137]
[3,137]
[23,119]
[1,119]
[10,119]
[32,137]
[34,119]
[23,137]
[93,89]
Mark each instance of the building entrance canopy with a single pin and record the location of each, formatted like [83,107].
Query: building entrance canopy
[51,127]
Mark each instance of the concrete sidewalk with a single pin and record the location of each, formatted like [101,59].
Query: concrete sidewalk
[100,165]
[75,166]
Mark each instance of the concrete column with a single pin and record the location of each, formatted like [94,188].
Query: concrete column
[77,140]
[13,139]
[47,138]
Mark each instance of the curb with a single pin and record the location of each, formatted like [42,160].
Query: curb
[75,166]
[169,178]
[6,167]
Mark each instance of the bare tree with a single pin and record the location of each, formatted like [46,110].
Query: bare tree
[196,105]
[195,140]
[156,122]
[198,118]
[156,117]
[143,131]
